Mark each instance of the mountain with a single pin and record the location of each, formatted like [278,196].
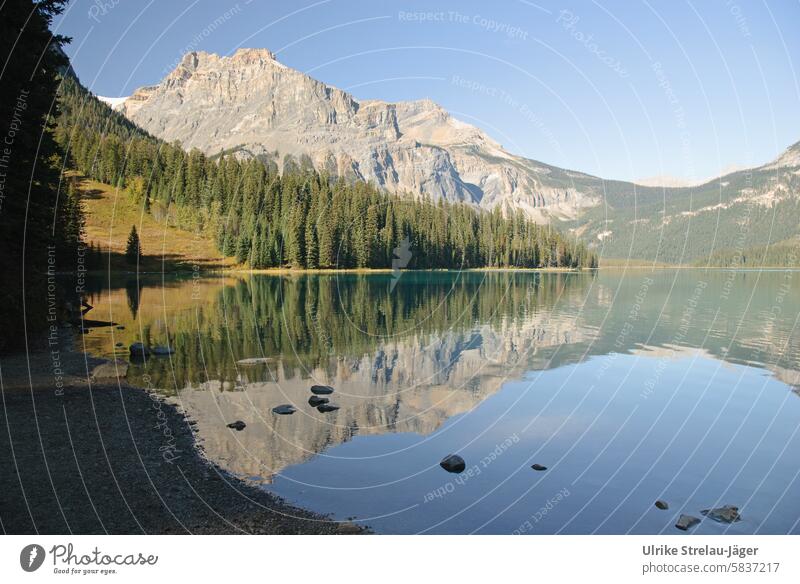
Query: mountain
[252,105]
[735,214]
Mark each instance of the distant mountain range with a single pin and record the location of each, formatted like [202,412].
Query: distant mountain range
[252,105]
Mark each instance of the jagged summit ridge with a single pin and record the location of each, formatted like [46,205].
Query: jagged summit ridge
[252,104]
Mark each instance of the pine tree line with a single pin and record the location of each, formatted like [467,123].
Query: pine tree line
[300,219]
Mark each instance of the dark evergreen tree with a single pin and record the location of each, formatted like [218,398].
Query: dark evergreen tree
[133,249]
[37,232]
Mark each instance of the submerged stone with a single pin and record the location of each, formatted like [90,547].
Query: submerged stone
[139,351]
[160,350]
[453,463]
[538,467]
[663,505]
[725,514]
[686,522]
[284,410]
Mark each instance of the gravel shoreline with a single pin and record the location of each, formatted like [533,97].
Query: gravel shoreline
[94,458]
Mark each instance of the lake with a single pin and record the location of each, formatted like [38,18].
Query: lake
[679,385]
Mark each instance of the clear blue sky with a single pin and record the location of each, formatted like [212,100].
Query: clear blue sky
[620,89]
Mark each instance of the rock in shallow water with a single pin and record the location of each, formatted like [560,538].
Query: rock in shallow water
[726,514]
[139,351]
[686,522]
[538,467]
[254,360]
[284,410]
[453,463]
[327,407]
[663,505]
[321,389]
[315,401]
[238,425]
[110,370]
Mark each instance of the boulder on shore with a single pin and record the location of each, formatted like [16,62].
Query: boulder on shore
[315,401]
[111,370]
[321,389]
[725,514]
[323,408]
[453,463]
[685,522]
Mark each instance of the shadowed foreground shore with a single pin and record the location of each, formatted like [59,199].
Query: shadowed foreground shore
[116,459]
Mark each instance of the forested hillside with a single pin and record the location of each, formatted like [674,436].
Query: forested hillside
[784,254]
[40,224]
[299,219]
[751,208]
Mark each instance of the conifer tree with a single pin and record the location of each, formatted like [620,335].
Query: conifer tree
[133,249]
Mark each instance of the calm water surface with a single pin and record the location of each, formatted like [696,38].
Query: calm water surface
[676,385]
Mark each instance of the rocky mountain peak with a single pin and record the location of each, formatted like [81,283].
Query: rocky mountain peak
[252,104]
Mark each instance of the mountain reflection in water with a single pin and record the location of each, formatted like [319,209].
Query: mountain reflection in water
[590,366]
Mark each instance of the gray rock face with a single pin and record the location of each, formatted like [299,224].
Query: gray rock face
[251,104]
